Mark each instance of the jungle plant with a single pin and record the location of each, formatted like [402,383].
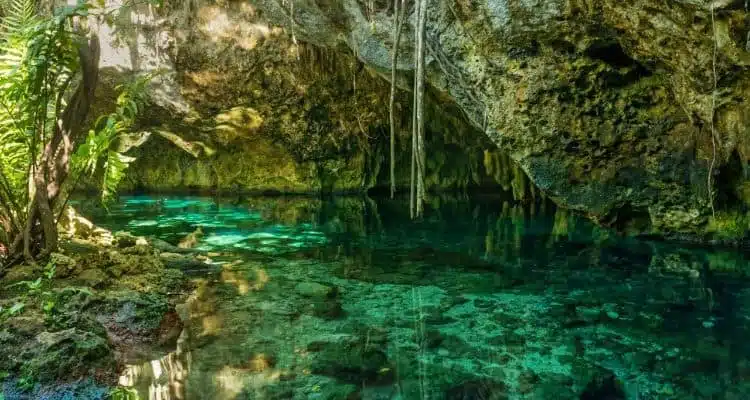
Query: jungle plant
[49,71]
[40,290]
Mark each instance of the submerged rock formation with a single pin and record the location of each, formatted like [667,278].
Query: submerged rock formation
[631,112]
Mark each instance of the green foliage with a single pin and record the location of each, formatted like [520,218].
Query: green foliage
[101,141]
[38,289]
[40,72]
[38,61]
[13,310]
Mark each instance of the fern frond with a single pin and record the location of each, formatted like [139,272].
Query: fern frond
[19,16]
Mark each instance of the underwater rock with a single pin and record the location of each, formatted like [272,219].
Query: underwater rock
[166,247]
[191,240]
[603,386]
[527,381]
[327,309]
[477,390]
[187,264]
[315,290]
[352,362]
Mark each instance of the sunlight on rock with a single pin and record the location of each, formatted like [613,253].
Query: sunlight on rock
[236,123]
[135,40]
[218,26]
[211,325]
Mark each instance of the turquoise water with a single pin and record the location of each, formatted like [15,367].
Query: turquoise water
[483,299]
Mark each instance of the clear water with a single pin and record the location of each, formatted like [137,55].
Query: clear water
[484,299]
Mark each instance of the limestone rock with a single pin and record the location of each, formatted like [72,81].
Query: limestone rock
[64,265]
[605,105]
[66,354]
[93,277]
[23,272]
[125,239]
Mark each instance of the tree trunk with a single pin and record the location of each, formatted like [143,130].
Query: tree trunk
[52,167]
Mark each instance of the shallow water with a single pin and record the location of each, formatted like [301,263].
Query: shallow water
[483,299]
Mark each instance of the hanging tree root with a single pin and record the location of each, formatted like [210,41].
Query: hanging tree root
[713,115]
[399,16]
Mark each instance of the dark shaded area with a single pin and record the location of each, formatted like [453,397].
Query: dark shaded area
[603,387]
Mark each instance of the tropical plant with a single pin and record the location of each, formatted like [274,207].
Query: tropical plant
[49,70]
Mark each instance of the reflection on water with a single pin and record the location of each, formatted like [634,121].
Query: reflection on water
[483,299]
[161,379]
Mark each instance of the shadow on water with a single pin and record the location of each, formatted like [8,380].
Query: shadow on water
[482,299]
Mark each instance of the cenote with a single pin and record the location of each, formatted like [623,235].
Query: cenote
[374,200]
[484,298]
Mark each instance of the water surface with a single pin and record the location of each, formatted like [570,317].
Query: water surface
[483,299]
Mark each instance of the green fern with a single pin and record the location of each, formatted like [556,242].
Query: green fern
[101,143]
[17,16]
[15,32]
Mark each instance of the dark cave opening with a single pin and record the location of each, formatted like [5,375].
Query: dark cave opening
[628,218]
[727,179]
[613,54]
